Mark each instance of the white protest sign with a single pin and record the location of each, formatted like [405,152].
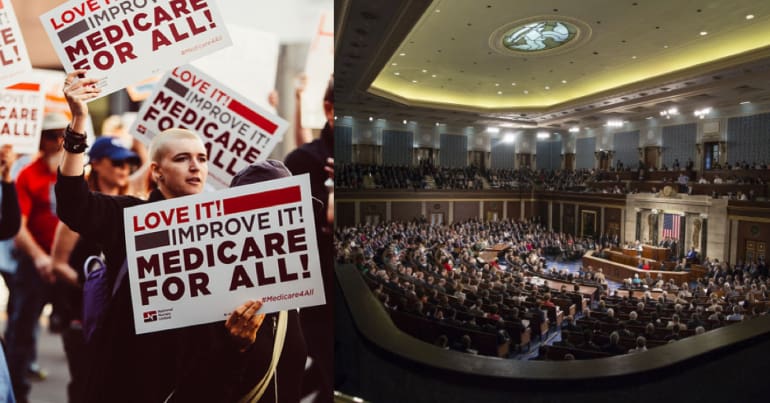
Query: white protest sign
[194,259]
[14,59]
[235,131]
[21,116]
[319,69]
[250,65]
[123,42]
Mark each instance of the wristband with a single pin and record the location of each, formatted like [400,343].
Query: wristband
[74,142]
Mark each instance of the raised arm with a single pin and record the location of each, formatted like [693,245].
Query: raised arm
[77,91]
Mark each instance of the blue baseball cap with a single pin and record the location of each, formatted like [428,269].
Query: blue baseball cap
[112,148]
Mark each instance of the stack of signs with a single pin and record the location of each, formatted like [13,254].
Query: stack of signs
[235,131]
[193,260]
[122,43]
[14,60]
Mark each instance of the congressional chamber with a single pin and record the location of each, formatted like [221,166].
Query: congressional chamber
[552,202]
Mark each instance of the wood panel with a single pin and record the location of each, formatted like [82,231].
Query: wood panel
[405,211]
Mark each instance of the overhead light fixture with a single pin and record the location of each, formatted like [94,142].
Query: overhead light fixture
[547,87]
[701,113]
[424,71]
[335,117]
[493,130]
[745,102]
[414,81]
[402,54]
[513,84]
[394,64]
[574,129]
[499,93]
[543,135]
[633,57]
[497,84]
[703,33]
[438,124]
[509,138]
[564,81]
[526,92]
[404,121]
[665,46]
[614,123]
[371,119]
[669,112]
[397,73]
[749,16]
[648,117]
[433,75]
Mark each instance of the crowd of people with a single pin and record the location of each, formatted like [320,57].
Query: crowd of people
[64,212]
[426,177]
[439,273]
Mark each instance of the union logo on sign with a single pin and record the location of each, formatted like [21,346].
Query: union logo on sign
[150,316]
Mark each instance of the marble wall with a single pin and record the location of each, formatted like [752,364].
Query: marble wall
[702,208]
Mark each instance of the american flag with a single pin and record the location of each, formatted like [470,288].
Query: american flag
[671,224]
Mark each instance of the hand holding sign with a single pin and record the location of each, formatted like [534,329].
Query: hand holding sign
[244,323]
[79,90]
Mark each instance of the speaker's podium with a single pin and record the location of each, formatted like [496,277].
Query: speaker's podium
[658,253]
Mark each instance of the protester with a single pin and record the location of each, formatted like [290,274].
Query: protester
[209,370]
[126,367]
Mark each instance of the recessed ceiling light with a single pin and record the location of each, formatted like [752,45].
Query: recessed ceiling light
[547,87]
[402,54]
[543,135]
[371,118]
[749,16]
[497,84]
[493,130]
[499,93]
[648,117]
[397,73]
[665,46]
[526,92]
[564,81]
[703,33]
[433,75]
[414,81]
[745,102]
[404,121]
[438,124]
[574,129]
[438,11]
[424,71]
[633,57]
[394,64]
[513,84]
[335,117]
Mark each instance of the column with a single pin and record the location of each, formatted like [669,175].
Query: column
[550,216]
[388,213]
[357,212]
[451,217]
[577,220]
[601,222]
[424,211]
[505,209]
[521,212]
[481,211]
[561,217]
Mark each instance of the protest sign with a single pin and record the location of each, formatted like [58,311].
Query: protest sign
[319,69]
[250,64]
[235,131]
[21,116]
[123,42]
[194,259]
[14,60]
